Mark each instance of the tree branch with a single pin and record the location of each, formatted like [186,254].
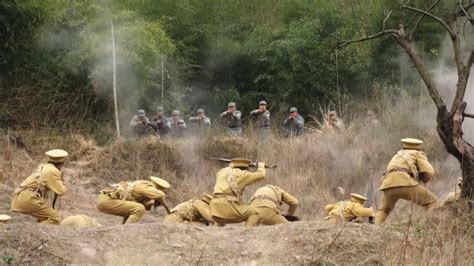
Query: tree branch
[441,21]
[469,115]
[422,17]
[344,43]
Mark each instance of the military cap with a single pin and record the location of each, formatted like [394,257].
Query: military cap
[358,198]
[206,197]
[160,182]
[175,112]
[411,143]
[262,103]
[240,162]
[293,110]
[231,104]
[141,113]
[200,111]
[160,109]
[5,218]
[56,155]
[332,113]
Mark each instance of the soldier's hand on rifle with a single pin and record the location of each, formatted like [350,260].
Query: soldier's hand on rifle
[261,165]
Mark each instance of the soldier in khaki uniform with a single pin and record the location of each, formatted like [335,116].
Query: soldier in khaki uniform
[195,210]
[267,201]
[226,206]
[38,193]
[453,196]
[404,172]
[131,199]
[80,221]
[348,210]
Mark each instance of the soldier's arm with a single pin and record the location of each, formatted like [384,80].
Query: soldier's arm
[193,119]
[207,121]
[133,122]
[253,177]
[254,113]
[287,122]
[237,115]
[182,124]
[328,208]
[361,211]
[299,121]
[53,179]
[152,193]
[291,201]
[426,171]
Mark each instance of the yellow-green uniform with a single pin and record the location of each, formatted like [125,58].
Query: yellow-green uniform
[34,195]
[267,201]
[80,221]
[129,199]
[195,210]
[226,205]
[347,211]
[400,182]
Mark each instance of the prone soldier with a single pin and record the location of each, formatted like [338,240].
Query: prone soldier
[267,201]
[348,210]
[195,210]
[130,199]
[38,193]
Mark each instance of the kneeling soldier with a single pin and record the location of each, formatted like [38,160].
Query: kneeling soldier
[226,206]
[267,201]
[195,210]
[80,221]
[131,199]
[38,193]
[348,210]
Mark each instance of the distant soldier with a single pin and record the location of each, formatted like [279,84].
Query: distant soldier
[453,196]
[231,119]
[195,210]
[371,119]
[348,210]
[267,201]
[294,124]
[161,123]
[262,116]
[131,199]
[405,171]
[38,194]
[140,124]
[80,221]
[226,206]
[200,120]
[333,122]
[177,125]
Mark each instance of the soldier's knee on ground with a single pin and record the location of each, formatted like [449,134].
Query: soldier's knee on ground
[380,217]
[172,218]
[136,214]
[252,221]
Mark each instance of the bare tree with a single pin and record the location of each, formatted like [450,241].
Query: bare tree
[449,122]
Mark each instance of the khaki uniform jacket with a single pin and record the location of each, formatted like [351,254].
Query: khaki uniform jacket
[140,191]
[192,211]
[275,196]
[80,221]
[348,210]
[395,178]
[36,189]
[242,178]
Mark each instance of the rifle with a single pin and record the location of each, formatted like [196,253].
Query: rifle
[158,203]
[252,164]
[370,195]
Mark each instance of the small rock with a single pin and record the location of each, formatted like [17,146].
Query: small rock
[244,253]
[177,245]
[240,240]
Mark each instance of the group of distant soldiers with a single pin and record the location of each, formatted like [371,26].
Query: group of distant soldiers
[230,120]
[406,174]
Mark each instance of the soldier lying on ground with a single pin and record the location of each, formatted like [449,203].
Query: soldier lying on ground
[348,210]
[38,193]
[130,199]
[195,210]
[226,206]
[267,201]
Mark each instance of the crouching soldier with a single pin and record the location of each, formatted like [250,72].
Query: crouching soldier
[195,210]
[226,206]
[38,194]
[130,199]
[80,221]
[349,210]
[267,201]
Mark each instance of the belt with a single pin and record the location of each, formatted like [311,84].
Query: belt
[400,169]
[265,197]
[228,197]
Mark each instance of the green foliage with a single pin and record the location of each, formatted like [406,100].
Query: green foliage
[8,259]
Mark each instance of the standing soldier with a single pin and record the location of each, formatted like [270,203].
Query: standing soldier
[131,199]
[348,210]
[226,206]
[35,192]
[262,116]
[161,123]
[267,201]
[294,124]
[200,120]
[177,125]
[404,172]
[140,124]
[195,210]
[231,119]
